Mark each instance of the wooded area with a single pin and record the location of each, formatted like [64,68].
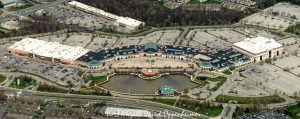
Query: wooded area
[156,15]
[262,4]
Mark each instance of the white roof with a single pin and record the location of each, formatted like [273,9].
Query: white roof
[93,9]
[119,19]
[49,49]
[113,111]
[12,24]
[129,21]
[258,44]
[9,1]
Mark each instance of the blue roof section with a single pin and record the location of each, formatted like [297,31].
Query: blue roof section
[134,49]
[151,45]
[224,59]
[180,50]
[151,48]
[219,59]
[95,63]
[109,53]
[204,64]
[166,90]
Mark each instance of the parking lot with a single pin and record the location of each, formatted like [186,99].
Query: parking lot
[54,38]
[229,35]
[86,40]
[78,40]
[289,41]
[245,89]
[275,78]
[96,42]
[124,41]
[268,114]
[293,49]
[102,42]
[69,15]
[163,37]
[291,63]
[214,38]
[56,73]
[280,16]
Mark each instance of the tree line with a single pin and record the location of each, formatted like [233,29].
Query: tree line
[262,4]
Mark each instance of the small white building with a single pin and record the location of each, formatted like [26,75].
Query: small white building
[41,12]
[11,25]
[260,48]
[129,23]
[11,3]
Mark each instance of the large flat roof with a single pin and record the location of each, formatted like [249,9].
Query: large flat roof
[93,9]
[8,2]
[113,111]
[258,44]
[49,49]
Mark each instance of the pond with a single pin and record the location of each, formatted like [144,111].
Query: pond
[126,83]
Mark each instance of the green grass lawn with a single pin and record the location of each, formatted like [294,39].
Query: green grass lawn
[280,34]
[207,111]
[170,102]
[220,79]
[294,111]
[250,100]
[81,72]
[2,78]
[227,72]
[93,91]
[211,111]
[96,80]
[108,30]
[36,2]
[41,78]
[200,82]
[50,88]
[27,5]
[294,29]
[24,82]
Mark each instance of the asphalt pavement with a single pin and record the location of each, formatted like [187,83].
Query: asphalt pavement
[8,16]
[119,101]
